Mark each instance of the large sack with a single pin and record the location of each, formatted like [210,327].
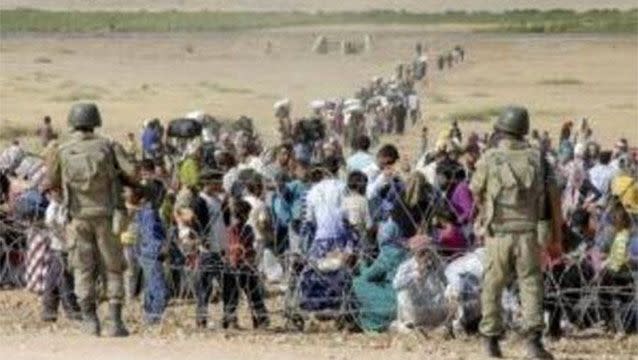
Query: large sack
[271,268]
[244,124]
[30,205]
[184,128]
[11,157]
[421,300]
[29,167]
[464,289]
[468,264]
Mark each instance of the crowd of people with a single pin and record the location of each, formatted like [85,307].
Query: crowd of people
[207,209]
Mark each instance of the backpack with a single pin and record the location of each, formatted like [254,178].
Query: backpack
[515,183]
[89,174]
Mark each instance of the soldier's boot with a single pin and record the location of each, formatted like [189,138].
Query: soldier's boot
[50,304]
[49,314]
[90,321]
[492,347]
[72,309]
[117,328]
[535,348]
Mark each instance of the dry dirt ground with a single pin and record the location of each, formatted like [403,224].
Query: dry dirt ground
[22,337]
[137,76]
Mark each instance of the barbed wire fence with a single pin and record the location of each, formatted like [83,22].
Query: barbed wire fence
[575,290]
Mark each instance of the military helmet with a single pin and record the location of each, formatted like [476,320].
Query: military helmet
[84,115]
[513,120]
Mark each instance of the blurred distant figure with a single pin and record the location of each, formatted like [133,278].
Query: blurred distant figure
[132,147]
[441,62]
[45,132]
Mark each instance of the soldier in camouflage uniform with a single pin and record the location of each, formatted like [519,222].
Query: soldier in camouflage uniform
[89,169]
[509,184]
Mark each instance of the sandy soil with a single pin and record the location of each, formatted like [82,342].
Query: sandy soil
[313,5]
[137,76]
[23,337]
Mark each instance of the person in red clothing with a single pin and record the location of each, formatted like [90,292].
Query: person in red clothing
[241,271]
[449,236]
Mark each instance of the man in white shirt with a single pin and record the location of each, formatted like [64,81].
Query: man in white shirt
[602,173]
[324,202]
[361,158]
[382,172]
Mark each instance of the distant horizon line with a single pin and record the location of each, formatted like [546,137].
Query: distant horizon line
[329,12]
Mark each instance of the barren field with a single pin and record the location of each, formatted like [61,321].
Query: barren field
[134,77]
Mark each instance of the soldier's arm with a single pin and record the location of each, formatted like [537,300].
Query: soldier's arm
[54,173]
[479,180]
[126,166]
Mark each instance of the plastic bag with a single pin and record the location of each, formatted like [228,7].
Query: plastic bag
[184,128]
[271,268]
[459,269]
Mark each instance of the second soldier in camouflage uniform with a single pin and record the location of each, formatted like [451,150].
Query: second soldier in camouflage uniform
[88,168]
[509,184]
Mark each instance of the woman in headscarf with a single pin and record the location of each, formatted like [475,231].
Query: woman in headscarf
[420,287]
[327,277]
[373,289]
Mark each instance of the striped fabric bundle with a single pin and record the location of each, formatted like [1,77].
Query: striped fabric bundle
[38,256]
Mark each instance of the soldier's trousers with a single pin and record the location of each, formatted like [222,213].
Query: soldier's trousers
[94,248]
[509,256]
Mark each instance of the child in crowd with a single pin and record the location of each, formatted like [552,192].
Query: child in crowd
[58,285]
[356,209]
[152,245]
[241,271]
[151,179]
[621,315]
[213,244]
[129,241]
[618,257]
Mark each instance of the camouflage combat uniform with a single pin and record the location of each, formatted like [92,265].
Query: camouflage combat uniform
[509,183]
[86,168]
